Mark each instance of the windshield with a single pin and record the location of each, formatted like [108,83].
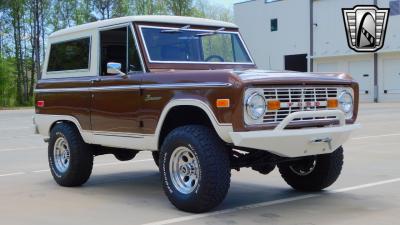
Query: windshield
[174,45]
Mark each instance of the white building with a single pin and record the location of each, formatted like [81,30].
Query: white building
[309,35]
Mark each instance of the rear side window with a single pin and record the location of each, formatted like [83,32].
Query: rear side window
[69,55]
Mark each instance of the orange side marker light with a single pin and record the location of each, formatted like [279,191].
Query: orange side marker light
[223,103]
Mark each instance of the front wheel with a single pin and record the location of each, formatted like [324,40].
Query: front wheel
[195,168]
[156,158]
[313,173]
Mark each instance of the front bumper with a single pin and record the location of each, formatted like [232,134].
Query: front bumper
[299,142]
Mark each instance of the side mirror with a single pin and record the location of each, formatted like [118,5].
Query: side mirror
[115,68]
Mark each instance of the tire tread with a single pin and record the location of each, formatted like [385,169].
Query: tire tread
[216,167]
[79,169]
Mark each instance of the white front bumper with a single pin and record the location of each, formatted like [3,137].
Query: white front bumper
[298,142]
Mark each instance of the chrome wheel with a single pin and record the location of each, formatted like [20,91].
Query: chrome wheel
[184,170]
[304,168]
[61,155]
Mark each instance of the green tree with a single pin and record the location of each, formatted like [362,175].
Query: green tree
[121,8]
[7,83]
[62,14]
[180,7]
[16,8]
[204,9]
[83,12]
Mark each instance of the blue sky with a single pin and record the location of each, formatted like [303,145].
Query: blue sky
[228,3]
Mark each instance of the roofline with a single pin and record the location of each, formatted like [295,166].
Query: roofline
[152,19]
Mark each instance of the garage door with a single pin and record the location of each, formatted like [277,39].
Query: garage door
[391,76]
[362,72]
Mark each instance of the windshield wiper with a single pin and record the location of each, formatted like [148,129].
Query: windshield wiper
[176,30]
[212,32]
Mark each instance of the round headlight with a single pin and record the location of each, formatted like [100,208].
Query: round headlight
[346,102]
[256,106]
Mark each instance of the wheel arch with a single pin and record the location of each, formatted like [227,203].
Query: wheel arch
[45,123]
[195,108]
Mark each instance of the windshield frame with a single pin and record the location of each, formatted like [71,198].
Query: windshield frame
[194,62]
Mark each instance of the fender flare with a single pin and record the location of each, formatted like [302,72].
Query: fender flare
[45,122]
[222,129]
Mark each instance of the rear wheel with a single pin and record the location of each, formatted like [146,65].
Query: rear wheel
[70,159]
[313,173]
[195,168]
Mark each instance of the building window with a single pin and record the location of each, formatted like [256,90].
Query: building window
[394,7]
[274,25]
[69,55]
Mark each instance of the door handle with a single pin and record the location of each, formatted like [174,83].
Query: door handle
[96,80]
[366,75]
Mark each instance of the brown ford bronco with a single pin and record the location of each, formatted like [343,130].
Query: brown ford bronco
[187,90]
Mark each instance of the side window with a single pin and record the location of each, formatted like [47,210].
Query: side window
[118,46]
[69,55]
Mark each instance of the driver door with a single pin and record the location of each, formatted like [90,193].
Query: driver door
[116,96]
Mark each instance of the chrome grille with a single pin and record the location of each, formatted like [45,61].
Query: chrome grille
[298,99]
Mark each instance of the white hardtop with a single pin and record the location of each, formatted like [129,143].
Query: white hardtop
[153,19]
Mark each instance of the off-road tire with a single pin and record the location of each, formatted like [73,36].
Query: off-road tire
[214,167]
[156,157]
[81,156]
[327,169]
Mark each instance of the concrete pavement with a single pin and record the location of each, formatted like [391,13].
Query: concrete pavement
[131,193]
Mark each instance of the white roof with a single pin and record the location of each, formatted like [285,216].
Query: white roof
[154,19]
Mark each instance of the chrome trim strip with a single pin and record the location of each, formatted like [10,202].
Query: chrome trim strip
[185,85]
[114,88]
[135,87]
[52,90]
[119,134]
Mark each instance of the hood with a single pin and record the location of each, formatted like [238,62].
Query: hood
[291,77]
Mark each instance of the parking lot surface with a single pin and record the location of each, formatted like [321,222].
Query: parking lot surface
[130,192]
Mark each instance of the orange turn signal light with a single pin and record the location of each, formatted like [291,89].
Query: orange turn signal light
[223,103]
[273,104]
[332,103]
